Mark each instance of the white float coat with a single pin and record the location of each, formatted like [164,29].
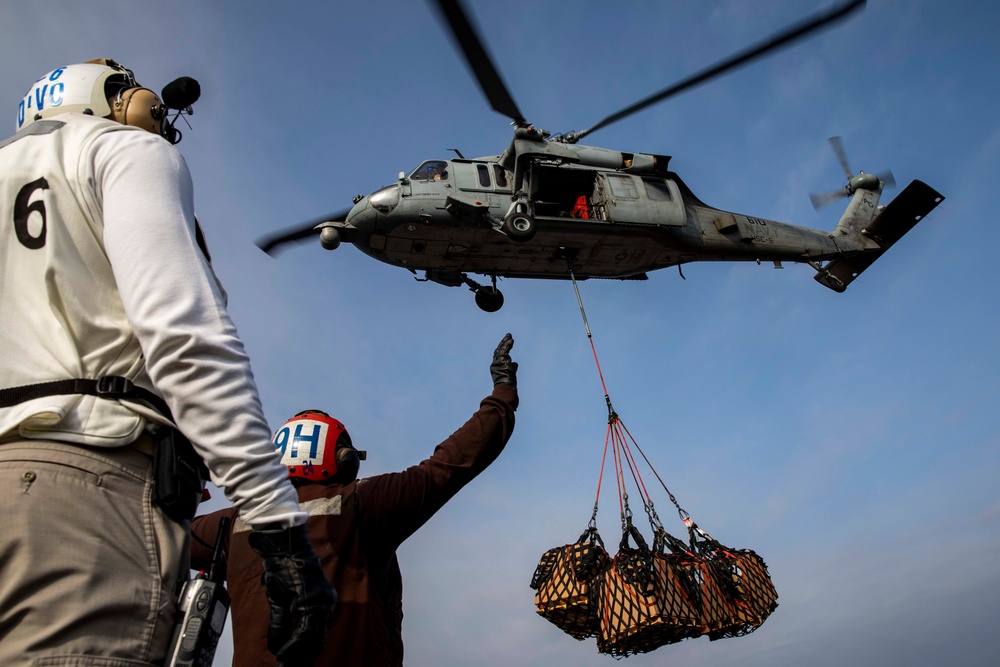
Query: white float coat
[100,274]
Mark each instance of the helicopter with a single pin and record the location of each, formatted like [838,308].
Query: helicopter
[550,207]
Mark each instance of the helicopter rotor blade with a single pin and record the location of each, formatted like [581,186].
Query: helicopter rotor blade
[784,38]
[837,143]
[823,199]
[272,242]
[479,61]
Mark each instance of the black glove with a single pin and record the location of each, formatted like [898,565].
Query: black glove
[504,370]
[298,592]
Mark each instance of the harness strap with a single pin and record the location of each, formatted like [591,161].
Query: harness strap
[109,386]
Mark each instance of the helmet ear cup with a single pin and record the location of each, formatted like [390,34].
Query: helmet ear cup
[138,107]
[348,465]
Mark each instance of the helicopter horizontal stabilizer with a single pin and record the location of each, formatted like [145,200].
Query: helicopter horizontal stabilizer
[899,216]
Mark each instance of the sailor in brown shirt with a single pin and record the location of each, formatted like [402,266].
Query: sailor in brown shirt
[356,525]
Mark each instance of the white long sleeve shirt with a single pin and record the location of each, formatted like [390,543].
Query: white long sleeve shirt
[100,274]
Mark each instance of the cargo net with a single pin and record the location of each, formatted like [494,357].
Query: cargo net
[565,584]
[647,596]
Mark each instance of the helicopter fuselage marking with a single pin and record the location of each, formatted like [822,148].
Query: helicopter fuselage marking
[760,232]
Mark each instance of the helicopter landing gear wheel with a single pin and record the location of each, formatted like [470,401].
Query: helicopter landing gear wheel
[520,227]
[489,299]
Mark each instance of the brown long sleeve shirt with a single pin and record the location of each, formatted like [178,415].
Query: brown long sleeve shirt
[356,530]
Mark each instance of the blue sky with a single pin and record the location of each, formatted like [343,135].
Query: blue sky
[850,439]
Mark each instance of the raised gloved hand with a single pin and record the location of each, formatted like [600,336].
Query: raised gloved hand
[503,370]
[298,592]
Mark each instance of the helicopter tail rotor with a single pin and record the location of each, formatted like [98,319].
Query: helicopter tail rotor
[854,181]
[898,217]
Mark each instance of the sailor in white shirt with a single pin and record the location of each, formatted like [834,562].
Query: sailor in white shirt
[114,328]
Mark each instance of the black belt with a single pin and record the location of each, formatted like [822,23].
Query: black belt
[179,474]
[109,386]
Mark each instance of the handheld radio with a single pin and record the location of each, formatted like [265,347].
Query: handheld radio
[204,605]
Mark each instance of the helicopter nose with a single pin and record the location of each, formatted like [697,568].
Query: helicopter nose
[362,216]
[383,201]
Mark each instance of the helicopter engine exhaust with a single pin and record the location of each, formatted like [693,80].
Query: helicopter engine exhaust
[636,163]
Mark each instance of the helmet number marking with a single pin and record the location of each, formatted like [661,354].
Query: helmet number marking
[299,442]
[42,95]
[23,208]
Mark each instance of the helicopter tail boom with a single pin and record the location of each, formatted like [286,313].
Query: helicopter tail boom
[899,216]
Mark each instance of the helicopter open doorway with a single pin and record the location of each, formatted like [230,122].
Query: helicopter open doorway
[556,193]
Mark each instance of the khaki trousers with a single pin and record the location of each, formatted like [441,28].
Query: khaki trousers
[88,564]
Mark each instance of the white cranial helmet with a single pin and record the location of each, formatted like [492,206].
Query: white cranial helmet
[99,87]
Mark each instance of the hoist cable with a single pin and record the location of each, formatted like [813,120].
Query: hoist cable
[621,452]
[586,325]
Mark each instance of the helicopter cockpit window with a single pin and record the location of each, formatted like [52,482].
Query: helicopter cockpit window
[484,175]
[385,199]
[432,170]
[656,189]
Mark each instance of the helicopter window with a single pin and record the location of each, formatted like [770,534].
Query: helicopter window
[432,170]
[622,186]
[656,189]
[484,175]
[500,175]
[385,199]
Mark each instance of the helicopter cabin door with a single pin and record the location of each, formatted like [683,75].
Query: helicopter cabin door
[645,200]
[483,181]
